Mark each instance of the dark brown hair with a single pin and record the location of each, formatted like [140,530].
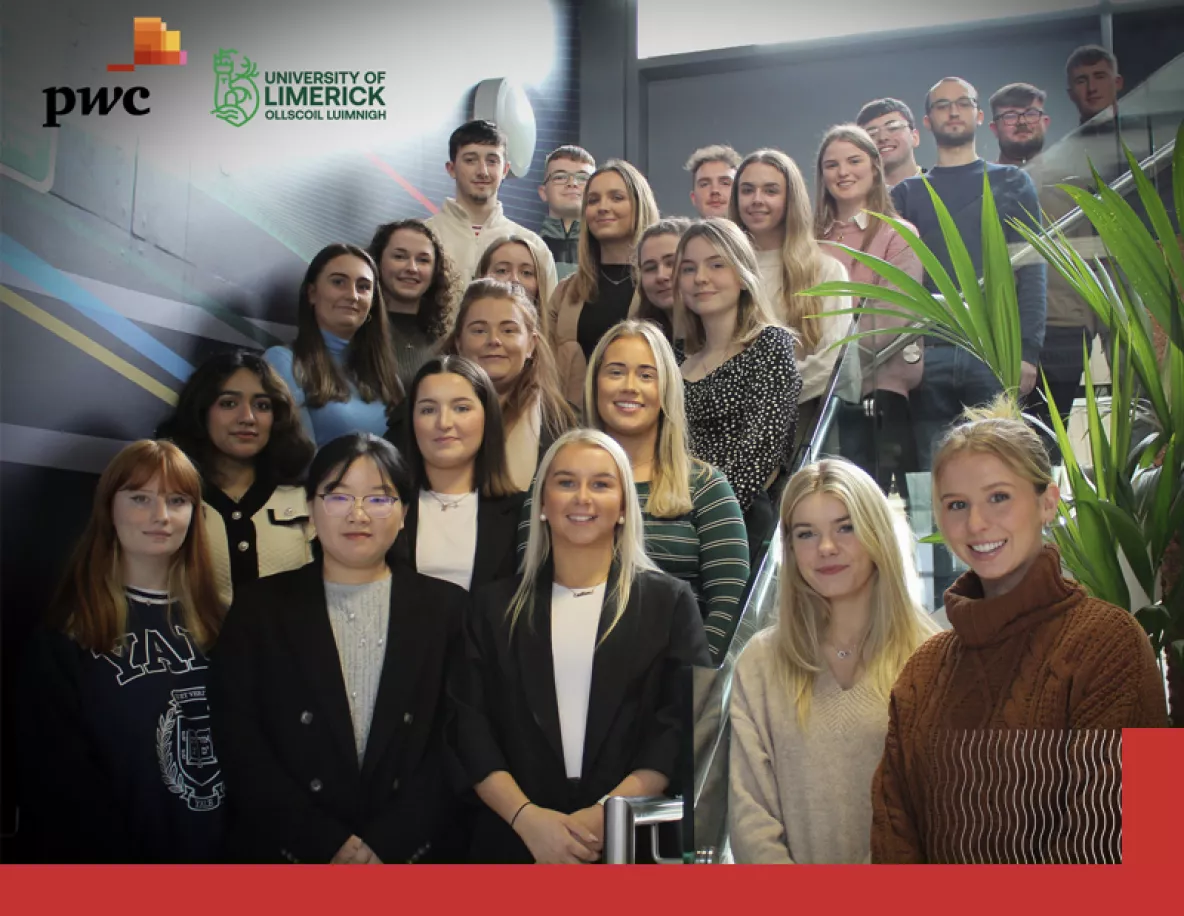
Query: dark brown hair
[437,305]
[369,359]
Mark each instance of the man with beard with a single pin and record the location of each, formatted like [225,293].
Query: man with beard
[953,378]
[891,124]
[477,163]
[1019,122]
[713,169]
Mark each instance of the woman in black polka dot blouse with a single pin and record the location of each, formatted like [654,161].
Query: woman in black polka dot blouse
[742,381]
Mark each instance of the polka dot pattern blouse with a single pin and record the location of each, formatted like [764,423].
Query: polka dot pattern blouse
[742,416]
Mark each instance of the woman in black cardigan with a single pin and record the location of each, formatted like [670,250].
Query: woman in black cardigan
[461,522]
[327,688]
[571,688]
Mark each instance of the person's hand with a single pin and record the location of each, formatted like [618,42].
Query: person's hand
[349,849]
[1027,378]
[554,838]
[365,856]
[592,820]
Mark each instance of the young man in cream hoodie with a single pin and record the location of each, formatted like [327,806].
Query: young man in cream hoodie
[468,222]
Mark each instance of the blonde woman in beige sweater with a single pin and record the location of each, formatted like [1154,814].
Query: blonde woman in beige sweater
[809,705]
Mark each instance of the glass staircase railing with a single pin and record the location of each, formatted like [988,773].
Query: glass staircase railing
[1147,122]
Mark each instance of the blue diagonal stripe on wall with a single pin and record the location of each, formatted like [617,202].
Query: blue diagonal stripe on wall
[58,285]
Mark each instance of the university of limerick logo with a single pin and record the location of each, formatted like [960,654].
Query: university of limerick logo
[236,95]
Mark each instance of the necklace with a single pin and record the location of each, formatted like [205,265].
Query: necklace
[628,276]
[445,503]
[847,653]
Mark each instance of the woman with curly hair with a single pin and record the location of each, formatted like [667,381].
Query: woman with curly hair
[235,420]
[420,287]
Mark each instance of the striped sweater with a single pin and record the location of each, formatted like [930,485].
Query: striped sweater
[707,548]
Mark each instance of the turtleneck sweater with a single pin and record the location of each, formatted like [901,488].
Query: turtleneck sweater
[337,418]
[1004,733]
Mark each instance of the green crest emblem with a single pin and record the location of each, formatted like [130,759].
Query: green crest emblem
[236,96]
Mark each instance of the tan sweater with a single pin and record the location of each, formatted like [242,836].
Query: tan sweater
[801,795]
[1004,742]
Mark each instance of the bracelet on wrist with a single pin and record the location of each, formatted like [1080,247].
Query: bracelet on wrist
[525,805]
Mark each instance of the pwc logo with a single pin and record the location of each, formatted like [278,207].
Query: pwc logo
[153,45]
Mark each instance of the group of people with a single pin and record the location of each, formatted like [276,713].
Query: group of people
[421,585]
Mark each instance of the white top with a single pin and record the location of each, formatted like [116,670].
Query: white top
[575,617]
[446,540]
[815,368]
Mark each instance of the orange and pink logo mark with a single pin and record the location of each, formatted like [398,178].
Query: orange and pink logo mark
[154,45]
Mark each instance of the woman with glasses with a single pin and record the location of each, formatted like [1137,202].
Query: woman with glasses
[419,289]
[460,527]
[341,368]
[328,683]
[236,422]
[618,207]
[877,432]
[572,686]
[117,762]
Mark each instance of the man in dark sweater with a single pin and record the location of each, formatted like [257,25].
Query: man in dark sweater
[565,173]
[953,378]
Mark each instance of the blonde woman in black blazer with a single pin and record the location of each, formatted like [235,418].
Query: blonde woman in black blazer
[559,708]
[317,771]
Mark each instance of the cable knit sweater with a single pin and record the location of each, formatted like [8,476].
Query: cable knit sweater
[1004,742]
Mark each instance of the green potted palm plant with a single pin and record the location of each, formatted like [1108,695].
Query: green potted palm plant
[1128,504]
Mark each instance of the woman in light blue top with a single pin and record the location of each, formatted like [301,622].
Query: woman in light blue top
[341,367]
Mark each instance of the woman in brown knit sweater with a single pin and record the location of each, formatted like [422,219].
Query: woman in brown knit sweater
[1004,735]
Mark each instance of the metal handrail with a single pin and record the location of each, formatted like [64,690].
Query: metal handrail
[623,814]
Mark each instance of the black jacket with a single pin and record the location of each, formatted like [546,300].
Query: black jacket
[497,523]
[282,724]
[508,715]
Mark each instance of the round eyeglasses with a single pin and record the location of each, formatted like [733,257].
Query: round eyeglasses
[339,505]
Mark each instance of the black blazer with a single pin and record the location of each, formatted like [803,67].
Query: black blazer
[497,525]
[508,715]
[283,731]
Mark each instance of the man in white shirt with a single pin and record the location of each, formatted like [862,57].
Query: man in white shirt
[468,222]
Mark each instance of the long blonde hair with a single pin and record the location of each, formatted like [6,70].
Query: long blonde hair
[826,210]
[584,284]
[801,256]
[670,485]
[898,623]
[754,312]
[628,548]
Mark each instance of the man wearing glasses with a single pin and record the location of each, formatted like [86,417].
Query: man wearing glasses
[1018,122]
[890,123]
[565,173]
[953,378]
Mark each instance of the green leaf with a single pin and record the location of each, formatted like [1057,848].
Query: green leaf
[1000,306]
[1158,215]
[934,538]
[1133,542]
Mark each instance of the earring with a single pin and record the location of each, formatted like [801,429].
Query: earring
[621,520]
[542,517]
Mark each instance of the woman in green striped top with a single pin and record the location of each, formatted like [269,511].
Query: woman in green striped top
[694,529]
